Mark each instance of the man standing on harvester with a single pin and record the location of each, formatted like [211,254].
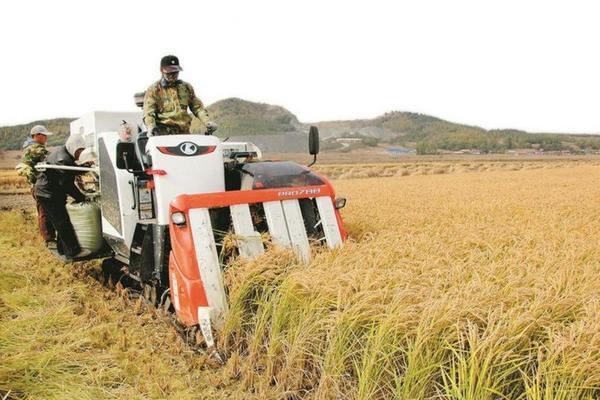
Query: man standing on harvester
[166,103]
[51,190]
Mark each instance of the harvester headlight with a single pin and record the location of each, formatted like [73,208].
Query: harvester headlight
[340,202]
[178,218]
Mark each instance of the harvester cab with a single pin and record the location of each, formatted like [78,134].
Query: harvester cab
[169,203]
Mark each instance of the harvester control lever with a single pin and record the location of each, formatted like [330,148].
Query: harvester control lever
[127,168]
[133,193]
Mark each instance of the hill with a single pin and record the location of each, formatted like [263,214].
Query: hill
[239,118]
[430,135]
[236,118]
[12,137]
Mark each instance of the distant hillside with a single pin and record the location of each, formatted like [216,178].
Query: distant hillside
[235,117]
[394,124]
[278,128]
[12,137]
[287,142]
[429,135]
[238,117]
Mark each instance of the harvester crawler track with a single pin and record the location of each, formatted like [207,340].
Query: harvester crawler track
[116,277]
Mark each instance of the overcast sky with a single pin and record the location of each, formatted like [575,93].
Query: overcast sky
[531,65]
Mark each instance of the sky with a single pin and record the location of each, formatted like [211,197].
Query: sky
[531,65]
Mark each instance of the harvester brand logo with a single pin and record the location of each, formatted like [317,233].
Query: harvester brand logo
[299,192]
[186,149]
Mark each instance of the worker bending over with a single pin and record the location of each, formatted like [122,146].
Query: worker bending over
[51,190]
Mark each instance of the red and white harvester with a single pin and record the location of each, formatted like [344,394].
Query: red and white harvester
[168,202]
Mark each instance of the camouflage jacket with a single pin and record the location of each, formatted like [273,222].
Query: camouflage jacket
[168,104]
[34,153]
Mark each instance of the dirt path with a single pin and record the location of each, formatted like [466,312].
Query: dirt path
[13,201]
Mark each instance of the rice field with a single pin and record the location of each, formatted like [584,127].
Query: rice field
[476,284]
[423,167]
[11,182]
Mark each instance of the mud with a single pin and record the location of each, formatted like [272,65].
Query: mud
[15,201]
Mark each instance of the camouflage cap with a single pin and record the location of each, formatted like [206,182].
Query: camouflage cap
[40,129]
[170,64]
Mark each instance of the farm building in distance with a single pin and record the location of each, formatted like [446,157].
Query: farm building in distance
[400,150]
[348,140]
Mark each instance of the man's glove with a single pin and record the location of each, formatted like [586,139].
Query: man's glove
[211,127]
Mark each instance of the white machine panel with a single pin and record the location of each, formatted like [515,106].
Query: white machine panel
[329,221]
[188,166]
[208,264]
[276,222]
[296,229]
[249,240]
[118,216]
[237,147]
[91,124]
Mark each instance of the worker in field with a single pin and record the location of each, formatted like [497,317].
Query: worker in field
[166,103]
[35,152]
[51,190]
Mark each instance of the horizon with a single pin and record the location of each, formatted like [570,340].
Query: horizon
[527,66]
[322,121]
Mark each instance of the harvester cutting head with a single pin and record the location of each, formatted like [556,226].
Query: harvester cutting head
[292,216]
[211,193]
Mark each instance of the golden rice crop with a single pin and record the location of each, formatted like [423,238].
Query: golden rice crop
[64,336]
[470,286]
[479,285]
[355,171]
[11,181]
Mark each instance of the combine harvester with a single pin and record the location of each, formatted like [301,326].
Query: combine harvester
[168,203]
